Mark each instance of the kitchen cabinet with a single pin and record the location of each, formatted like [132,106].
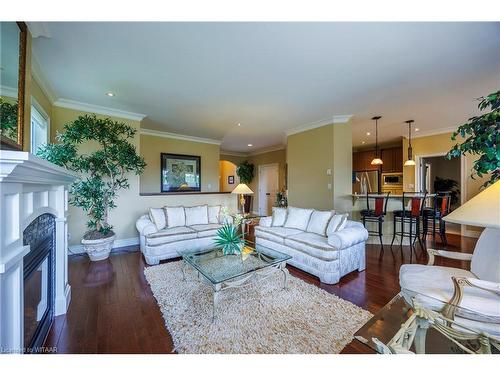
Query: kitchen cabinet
[392,158]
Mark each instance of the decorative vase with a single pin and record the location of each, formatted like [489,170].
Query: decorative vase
[98,249]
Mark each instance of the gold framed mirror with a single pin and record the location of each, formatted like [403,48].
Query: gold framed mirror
[13,36]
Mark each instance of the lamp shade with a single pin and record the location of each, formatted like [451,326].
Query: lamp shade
[377,161]
[483,210]
[409,163]
[242,189]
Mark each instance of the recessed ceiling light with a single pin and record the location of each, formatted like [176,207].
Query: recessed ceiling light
[417,129]
[368,133]
[239,124]
[110,94]
[363,142]
[250,145]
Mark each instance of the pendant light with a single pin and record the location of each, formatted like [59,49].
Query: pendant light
[410,161]
[376,160]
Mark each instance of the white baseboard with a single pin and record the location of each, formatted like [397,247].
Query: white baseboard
[78,249]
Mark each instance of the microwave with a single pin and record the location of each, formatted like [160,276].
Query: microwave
[392,179]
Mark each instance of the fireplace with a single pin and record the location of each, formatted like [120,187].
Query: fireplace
[33,249]
[39,281]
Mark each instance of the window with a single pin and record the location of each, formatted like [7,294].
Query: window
[39,128]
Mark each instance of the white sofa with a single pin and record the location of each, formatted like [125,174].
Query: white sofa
[166,231]
[321,243]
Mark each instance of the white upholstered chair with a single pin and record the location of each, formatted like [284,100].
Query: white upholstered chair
[469,298]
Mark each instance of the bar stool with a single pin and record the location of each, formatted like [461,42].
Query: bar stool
[377,214]
[412,216]
[440,208]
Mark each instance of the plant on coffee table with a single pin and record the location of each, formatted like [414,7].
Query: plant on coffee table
[229,238]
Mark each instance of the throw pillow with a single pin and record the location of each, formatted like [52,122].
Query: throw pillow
[213,214]
[176,217]
[279,217]
[319,221]
[196,215]
[337,223]
[157,216]
[298,218]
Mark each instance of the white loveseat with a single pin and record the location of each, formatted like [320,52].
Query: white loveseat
[166,231]
[321,243]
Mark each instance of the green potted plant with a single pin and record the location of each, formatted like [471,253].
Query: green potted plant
[482,136]
[229,238]
[8,118]
[102,173]
[245,172]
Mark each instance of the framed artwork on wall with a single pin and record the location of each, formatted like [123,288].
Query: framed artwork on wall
[180,173]
[230,180]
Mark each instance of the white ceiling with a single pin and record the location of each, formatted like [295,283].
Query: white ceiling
[202,79]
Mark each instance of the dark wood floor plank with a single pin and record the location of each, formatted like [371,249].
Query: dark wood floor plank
[114,311]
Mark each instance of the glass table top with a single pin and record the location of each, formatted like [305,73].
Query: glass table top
[217,267]
[386,323]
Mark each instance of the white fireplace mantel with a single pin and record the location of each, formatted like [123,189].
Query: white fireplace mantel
[29,187]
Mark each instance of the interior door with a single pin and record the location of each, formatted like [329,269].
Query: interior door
[268,187]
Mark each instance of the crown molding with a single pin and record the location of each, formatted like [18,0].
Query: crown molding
[234,153]
[428,133]
[340,119]
[267,149]
[158,133]
[36,73]
[11,92]
[92,108]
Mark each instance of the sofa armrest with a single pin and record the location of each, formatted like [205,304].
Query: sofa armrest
[266,221]
[347,237]
[145,226]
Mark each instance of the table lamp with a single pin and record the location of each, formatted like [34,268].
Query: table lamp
[242,189]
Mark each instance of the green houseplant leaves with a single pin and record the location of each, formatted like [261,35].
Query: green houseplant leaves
[482,136]
[245,172]
[102,173]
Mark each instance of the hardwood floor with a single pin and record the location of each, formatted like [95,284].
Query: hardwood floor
[113,310]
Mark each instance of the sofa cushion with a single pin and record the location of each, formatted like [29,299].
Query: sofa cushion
[169,235]
[196,215]
[176,216]
[319,221]
[312,244]
[157,216]
[337,223]
[206,230]
[279,217]
[298,218]
[214,214]
[275,233]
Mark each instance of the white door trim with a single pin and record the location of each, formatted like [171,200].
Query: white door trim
[463,184]
[259,188]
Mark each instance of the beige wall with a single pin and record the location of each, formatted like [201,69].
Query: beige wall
[342,167]
[309,154]
[40,97]
[226,169]
[152,146]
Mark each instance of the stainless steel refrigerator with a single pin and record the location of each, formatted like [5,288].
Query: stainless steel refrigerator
[365,182]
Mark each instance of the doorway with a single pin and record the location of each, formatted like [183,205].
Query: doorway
[268,187]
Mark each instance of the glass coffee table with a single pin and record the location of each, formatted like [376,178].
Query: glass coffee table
[234,271]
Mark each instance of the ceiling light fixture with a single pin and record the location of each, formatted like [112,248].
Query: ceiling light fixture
[110,94]
[417,129]
[239,124]
[376,160]
[410,161]
[368,133]
[250,145]
[363,142]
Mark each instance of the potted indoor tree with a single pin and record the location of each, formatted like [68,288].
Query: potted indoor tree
[245,172]
[102,172]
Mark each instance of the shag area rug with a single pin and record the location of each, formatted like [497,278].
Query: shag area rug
[261,318]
